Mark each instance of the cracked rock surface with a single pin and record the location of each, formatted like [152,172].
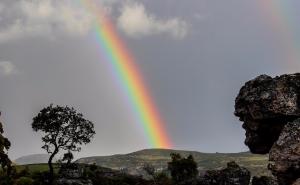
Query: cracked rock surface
[270,111]
[285,154]
[265,105]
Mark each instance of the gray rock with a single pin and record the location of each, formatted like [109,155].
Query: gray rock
[64,181]
[285,154]
[265,105]
[232,175]
[264,180]
[297,182]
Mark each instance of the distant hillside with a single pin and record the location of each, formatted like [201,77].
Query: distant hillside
[33,159]
[133,162]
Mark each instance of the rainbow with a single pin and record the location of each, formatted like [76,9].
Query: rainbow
[122,65]
[279,16]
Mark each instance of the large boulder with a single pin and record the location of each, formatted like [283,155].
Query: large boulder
[265,105]
[65,181]
[297,182]
[72,174]
[285,154]
[264,180]
[232,175]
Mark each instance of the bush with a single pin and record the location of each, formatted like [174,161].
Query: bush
[40,178]
[6,181]
[24,181]
[161,178]
[183,170]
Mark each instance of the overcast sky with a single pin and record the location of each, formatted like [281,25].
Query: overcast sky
[194,55]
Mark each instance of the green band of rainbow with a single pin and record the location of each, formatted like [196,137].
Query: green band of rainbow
[123,65]
[280,18]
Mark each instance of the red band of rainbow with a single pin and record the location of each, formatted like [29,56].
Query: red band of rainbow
[123,65]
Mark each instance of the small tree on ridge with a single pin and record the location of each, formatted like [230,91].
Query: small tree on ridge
[64,129]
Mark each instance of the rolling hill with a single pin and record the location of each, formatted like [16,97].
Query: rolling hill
[32,159]
[133,162]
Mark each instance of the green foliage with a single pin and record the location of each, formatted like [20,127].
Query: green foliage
[64,129]
[183,170]
[68,157]
[24,181]
[158,178]
[5,180]
[162,178]
[149,169]
[159,158]
[5,162]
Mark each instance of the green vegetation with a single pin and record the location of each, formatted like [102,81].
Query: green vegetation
[183,170]
[65,130]
[159,158]
[36,168]
[5,162]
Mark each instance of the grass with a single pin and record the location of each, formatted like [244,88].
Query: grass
[159,158]
[34,168]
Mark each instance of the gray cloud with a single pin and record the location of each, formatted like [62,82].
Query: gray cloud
[136,22]
[7,68]
[44,18]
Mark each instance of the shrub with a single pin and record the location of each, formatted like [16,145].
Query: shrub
[24,181]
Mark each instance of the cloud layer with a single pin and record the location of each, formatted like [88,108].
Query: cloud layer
[43,18]
[136,22]
[51,18]
[7,68]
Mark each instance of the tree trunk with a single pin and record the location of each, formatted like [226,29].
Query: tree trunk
[51,171]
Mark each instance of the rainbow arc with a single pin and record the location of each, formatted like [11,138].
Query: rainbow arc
[279,16]
[123,66]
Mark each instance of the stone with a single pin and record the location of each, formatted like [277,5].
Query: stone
[72,174]
[265,105]
[285,154]
[64,181]
[72,171]
[232,175]
[264,180]
[297,182]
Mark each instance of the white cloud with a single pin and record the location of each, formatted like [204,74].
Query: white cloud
[44,18]
[135,21]
[7,68]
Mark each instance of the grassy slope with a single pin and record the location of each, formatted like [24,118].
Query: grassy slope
[159,158]
[36,167]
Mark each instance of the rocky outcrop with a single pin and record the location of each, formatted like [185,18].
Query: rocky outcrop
[72,174]
[270,108]
[297,182]
[65,181]
[232,175]
[264,180]
[285,154]
[265,105]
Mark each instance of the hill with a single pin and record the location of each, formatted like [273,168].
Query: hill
[32,159]
[133,162]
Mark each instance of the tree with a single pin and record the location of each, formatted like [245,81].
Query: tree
[183,170]
[158,177]
[68,157]
[5,162]
[64,129]
[150,170]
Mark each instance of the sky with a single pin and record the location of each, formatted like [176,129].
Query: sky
[194,56]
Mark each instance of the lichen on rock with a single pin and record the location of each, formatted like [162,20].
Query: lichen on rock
[265,105]
[270,110]
[285,154]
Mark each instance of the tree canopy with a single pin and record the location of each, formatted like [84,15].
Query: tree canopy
[5,162]
[183,170]
[63,129]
